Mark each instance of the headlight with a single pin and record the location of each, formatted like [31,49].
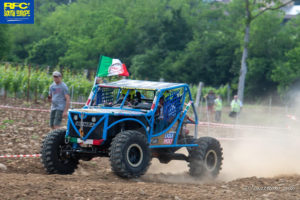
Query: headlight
[75,117]
[93,119]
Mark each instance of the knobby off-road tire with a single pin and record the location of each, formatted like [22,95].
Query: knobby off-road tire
[54,161]
[205,159]
[129,154]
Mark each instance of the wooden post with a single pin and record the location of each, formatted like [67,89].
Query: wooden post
[61,70]
[198,94]
[28,83]
[5,92]
[228,94]
[270,104]
[72,93]
[6,66]
[201,109]
[35,90]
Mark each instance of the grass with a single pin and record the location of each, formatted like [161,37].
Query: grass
[35,137]
[2,126]
[27,104]
[8,121]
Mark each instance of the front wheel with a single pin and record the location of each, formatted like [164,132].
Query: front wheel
[205,159]
[54,156]
[129,154]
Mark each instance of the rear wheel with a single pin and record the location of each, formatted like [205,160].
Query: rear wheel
[54,157]
[206,159]
[129,154]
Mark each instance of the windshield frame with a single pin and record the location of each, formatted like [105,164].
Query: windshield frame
[122,104]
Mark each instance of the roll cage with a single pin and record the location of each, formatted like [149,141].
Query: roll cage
[178,100]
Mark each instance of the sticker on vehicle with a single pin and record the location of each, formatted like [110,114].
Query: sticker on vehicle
[154,141]
[168,139]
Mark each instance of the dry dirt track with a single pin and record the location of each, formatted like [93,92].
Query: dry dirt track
[21,132]
[106,186]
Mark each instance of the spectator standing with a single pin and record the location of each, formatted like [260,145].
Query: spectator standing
[210,98]
[210,101]
[218,108]
[236,106]
[60,100]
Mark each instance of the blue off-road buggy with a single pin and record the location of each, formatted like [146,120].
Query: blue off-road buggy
[131,122]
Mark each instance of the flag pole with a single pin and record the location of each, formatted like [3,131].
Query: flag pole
[98,68]
[89,101]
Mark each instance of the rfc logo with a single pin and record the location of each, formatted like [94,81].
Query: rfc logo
[17,12]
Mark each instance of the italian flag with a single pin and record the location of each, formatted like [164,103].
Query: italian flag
[111,67]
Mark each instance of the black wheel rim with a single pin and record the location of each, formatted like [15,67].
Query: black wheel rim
[62,156]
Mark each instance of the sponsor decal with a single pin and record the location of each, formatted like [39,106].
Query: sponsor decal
[168,139]
[154,141]
[115,68]
[17,12]
[84,124]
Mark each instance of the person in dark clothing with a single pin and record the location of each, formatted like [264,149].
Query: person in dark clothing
[137,99]
[160,122]
[210,98]
[210,102]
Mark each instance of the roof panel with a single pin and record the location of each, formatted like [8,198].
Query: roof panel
[138,84]
[114,111]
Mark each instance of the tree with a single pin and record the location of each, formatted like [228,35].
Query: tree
[47,50]
[287,70]
[266,50]
[172,37]
[253,9]
[209,55]
[4,41]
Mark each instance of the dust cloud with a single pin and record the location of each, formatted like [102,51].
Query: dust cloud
[253,152]
[173,172]
[261,157]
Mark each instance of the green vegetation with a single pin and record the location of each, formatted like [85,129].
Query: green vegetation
[35,137]
[180,41]
[8,121]
[15,81]
[2,126]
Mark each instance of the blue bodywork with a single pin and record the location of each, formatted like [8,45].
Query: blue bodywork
[174,111]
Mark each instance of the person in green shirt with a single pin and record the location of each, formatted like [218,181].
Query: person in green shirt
[236,106]
[218,108]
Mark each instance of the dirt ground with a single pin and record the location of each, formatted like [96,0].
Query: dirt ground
[257,165]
